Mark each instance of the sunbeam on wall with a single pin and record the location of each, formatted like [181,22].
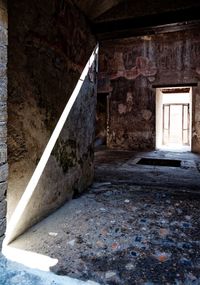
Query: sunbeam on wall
[21,206]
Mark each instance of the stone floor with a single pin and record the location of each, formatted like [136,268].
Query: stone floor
[137,224]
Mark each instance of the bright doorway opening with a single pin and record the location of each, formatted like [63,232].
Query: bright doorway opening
[173,118]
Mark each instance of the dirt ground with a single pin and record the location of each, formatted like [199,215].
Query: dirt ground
[137,224]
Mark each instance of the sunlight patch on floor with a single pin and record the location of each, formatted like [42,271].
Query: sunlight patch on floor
[29,259]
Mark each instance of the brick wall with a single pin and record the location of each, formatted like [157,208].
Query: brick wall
[3,117]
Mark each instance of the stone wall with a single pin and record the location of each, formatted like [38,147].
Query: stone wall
[49,45]
[3,116]
[128,70]
[101,120]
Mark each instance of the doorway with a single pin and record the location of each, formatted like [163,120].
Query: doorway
[173,118]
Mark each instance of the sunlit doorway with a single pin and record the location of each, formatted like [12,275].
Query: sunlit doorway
[173,118]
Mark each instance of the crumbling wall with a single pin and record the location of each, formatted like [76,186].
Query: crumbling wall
[3,116]
[49,45]
[101,120]
[128,70]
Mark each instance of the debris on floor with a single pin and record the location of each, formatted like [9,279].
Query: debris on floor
[125,233]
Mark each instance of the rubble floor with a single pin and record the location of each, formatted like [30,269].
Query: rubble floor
[137,224]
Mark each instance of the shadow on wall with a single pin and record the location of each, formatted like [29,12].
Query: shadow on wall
[101,120]
[43,71]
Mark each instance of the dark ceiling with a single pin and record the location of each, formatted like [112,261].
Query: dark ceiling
[96,8]
[123,18]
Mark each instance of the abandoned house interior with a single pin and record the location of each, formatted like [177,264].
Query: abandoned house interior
[100,142]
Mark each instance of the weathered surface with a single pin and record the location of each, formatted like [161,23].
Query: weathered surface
[46,58]
[3,117]
[101,120]
[128,229]
[129,68]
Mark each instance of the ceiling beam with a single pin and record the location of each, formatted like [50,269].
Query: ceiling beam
[137,32]
[150,24]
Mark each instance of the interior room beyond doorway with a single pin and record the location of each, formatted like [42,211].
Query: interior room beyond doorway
[173,118]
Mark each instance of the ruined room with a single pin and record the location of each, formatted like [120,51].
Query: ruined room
[99,142]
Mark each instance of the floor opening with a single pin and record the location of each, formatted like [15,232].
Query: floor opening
[131,215]
[173,118]
[160,162]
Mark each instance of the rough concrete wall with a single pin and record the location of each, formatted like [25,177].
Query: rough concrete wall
[129,68]
[3,117]
[101,120]
[49,44]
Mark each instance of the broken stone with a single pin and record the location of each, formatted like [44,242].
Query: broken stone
[188,218]
[102,209]
[71,242]
[134,208]
[115,245]
[130,266]
[110,274]
[52,234]
[162,256]
[144,229]
[163,221]
[163,232]
[104,232]
[100,244]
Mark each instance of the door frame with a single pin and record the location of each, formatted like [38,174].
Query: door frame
[159,116]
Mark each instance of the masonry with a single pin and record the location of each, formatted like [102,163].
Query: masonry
[49,45]
[3,116]
[127,213]
[131,68]
[46,59]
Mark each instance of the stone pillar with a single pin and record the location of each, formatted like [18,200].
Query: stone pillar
[3,116]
